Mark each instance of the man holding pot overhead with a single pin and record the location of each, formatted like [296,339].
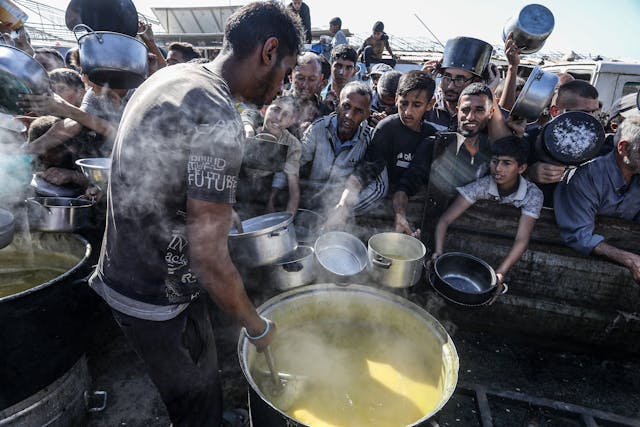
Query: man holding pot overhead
[173,180]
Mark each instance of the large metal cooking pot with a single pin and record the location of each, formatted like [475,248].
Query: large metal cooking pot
[535,95]
[112,59]
[296,269]
[395,259]
[20,74]
[7,227]
[44,303]
[265,239]
[572,138]
[341,256]
[367,311]
[468,54]
[59,214]
[464,279]
[530,27]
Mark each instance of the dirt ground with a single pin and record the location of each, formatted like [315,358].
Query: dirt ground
[502,363]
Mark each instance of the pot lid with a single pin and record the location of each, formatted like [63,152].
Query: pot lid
[119,16]
[573,137]
[6,220]
[262,224]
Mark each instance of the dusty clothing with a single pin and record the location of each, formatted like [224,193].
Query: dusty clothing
[305,17]
[596,188]
[181,136]
[527,197]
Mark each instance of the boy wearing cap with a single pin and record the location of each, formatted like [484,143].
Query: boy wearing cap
[373,47]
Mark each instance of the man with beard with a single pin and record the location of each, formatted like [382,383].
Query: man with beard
[334,145]
[343,68]
[608,185]
[464,159]
[173,180]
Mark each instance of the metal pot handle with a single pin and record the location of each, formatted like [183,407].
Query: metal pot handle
[382,262]
[87,28]
[292,267]
[277,233]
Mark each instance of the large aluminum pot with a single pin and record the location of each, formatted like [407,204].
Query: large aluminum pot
[350,315]
[297,269]
[535,95]
[395,259]
[112,59]
[20,74]
[468,54]
[59,214]
[530,27]
[264,240]
[7,227]
[341,256]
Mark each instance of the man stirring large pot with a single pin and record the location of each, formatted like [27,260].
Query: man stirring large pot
[173,179]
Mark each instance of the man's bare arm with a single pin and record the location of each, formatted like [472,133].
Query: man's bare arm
[622,257]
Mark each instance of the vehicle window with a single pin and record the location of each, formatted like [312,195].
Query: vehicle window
[580,76]
[630,87]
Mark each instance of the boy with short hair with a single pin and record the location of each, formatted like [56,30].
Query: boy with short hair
[67,83]
[506,185]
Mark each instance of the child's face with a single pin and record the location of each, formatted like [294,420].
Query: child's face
[278,117]
[505,171]
[70,94]
[377,35]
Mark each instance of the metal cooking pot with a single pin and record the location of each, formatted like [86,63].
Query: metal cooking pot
[112,59]
[536,95]
[341,255]
[463,279]
[468,54]
[354,304]
[265,239]
[7,227]
[530,27]
[60,214]
[297,269]
[20,74]
[96,169]
[119,16]
[395,259]
[573,138]
[307,223]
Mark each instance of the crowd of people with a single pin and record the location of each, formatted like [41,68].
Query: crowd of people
[333,139]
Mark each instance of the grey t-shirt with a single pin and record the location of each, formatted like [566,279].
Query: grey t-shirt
[180,137]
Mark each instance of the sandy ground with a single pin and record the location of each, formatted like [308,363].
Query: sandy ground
[504,363]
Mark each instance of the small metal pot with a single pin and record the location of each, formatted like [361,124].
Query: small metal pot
[573,138]
[297,269]
[7,227]
[96,170]
[396,259]
[112,59]
[468,54]
[307,223]
[265,239]
[341,255]
[530,27]
[20,74]
[536,95]
[463,279]
[60,214]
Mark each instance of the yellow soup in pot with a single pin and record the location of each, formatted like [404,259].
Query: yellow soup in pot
[20,271]
[353,373]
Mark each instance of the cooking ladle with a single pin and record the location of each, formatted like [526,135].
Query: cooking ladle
[278,384]
[283,389]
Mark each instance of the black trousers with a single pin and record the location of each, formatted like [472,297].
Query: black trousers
[180,356]
[368,58]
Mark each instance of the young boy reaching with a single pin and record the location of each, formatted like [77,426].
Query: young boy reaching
[505,185]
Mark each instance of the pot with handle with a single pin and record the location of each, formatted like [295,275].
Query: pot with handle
[535,95]
[20,74]
[395,259]
[59,214]
[297,269]
[112,59]
[342,257]
[530,27]
[572,138]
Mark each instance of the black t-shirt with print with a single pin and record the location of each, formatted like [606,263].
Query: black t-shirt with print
[180,137]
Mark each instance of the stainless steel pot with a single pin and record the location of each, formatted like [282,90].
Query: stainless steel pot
[96,169]
[20,74]
[112,59]
[468,54]
[395,259]
[372,309]
[341,256]
[536,95]
[530,27]
[265,239]
[297,269]
[60,214]
[7,227]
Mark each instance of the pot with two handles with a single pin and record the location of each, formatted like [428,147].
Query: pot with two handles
[297,269]
[59,214]
[395,259]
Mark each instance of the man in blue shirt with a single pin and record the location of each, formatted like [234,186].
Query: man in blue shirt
[608,185]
